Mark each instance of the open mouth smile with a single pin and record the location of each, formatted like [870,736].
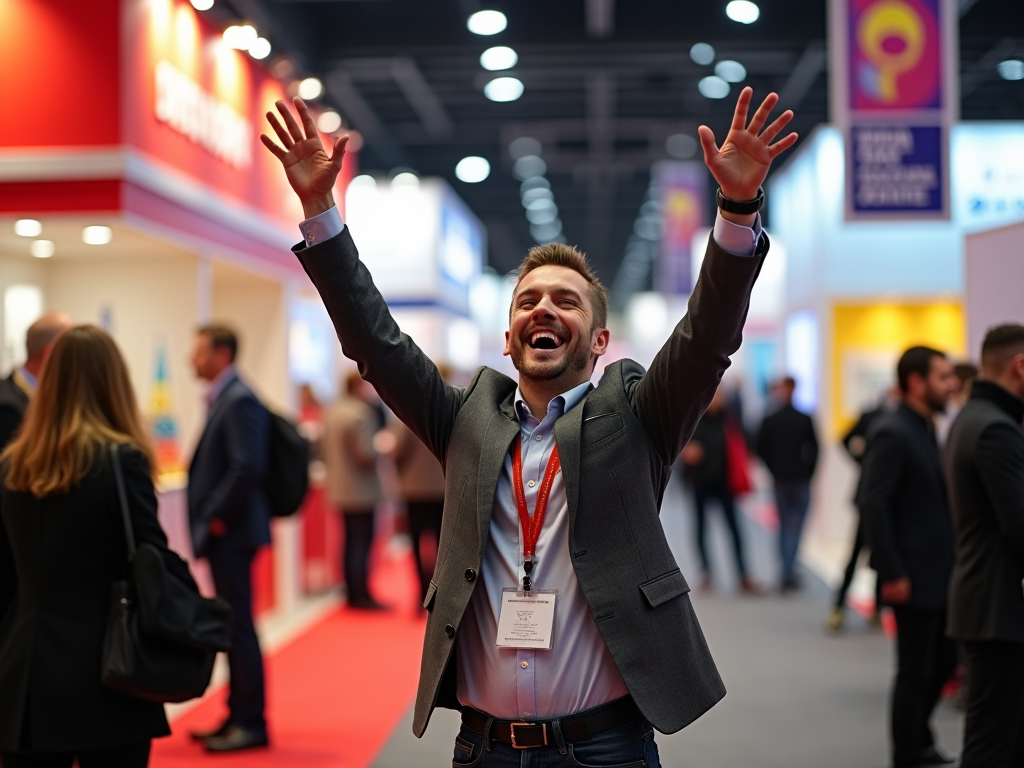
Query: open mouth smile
[545,340]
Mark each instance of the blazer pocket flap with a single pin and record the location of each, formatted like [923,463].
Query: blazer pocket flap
[663,588]
[428,601]
[601,427]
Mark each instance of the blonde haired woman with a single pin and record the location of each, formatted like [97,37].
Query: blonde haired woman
[62,543]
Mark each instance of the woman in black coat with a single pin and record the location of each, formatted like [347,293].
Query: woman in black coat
[62,543]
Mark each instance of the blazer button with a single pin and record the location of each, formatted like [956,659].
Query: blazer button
[449,630]
[470,574]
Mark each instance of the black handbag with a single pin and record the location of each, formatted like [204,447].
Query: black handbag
[162,635]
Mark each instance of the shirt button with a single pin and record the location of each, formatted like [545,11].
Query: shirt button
[532,483]
[538,438]
[526,664]
[470,574]
[310,238]
[449,630]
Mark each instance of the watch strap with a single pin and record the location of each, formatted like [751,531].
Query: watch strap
[740,206]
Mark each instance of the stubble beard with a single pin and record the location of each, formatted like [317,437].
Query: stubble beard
[575,360]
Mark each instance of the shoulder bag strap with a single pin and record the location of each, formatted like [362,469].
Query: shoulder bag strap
[122,497]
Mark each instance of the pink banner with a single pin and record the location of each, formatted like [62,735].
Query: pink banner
[895,55]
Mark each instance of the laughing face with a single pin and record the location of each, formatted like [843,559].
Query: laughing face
[551,333]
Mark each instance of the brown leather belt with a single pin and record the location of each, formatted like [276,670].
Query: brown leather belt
[525,735]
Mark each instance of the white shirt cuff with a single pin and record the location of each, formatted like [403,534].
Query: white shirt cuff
[735,238]
[323,227]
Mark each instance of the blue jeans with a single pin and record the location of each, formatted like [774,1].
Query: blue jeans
[629,746]
[792,498]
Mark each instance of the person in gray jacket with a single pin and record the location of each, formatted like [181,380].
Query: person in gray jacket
[353,486]
[559,619]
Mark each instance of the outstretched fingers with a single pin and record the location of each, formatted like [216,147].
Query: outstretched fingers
[780,122]
[739,117]
[307,119]
[782,145]
[289,121]
[339,151]
[761,116]
[282,134]
[707,143]
[268,142]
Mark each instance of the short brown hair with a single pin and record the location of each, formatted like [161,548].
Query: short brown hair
[562,255]
[1000,345]
[221,337]
[84,402]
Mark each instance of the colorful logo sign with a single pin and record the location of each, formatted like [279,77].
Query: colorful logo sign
[895,49]
[161,415]
[682,191]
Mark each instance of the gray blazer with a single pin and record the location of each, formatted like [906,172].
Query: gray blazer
[617,448]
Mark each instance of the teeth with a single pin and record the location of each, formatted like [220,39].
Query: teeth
[545,335]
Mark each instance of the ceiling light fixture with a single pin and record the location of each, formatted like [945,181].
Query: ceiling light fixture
[546,233]
[260,49]
[731,71]
[529,166]
[472,169]
[702,54]
[97,235]
[487,22]
[534,182]
[534,194]
[1011,69]
[524,145]
[28,228]
[329,121]
[240,36]
[310,89]
[202,5]
[498,57]
[42,249]
[743,11]
[504,89]
[713,87]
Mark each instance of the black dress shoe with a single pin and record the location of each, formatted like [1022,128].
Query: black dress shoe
[235,739]
[932,756]
[220,730]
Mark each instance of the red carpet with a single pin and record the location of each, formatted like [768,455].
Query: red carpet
[335,693]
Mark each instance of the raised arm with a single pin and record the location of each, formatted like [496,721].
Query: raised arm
[677,389]
[403,376]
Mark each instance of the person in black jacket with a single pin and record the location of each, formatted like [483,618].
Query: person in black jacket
[788,446]
[17,388]
[985,469]
[62,544]
[910,531]
[229,514]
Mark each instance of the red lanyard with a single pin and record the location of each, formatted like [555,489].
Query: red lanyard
[532,526]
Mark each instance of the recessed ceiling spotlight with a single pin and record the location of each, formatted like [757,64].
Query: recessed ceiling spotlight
[472,169]
[1011,69]
[260,49]
[681,146]
[28,228]
[731,71]
[498,57]
[97,235]
[713,87]
[542,212]
[534,194]
[534,182]
[310,89]
[503,89]
[524,145]
[202,5]
[240,36]
[743,11]
[702,54]
[42,249]
[329,121]
[528,166]
[487,22]
[545,233]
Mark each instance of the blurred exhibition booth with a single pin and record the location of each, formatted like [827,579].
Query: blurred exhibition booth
[134,193]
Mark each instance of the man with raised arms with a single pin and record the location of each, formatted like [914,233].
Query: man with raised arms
[559,621]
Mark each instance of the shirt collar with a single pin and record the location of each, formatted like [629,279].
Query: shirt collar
[989,390]
[218,385]
[563,402]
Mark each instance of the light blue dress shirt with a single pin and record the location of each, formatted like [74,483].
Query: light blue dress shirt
[578,672]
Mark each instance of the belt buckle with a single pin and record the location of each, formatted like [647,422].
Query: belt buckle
[544,732]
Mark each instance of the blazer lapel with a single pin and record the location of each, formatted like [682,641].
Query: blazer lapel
[567,437]
[501,431]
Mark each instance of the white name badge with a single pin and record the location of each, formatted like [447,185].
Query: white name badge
[527,619]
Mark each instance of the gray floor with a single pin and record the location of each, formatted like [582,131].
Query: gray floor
[797,697]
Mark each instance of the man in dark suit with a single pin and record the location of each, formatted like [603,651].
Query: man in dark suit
[17,388]
[910,531]
[788,446]
[577,638]
[985,468]
[229,517]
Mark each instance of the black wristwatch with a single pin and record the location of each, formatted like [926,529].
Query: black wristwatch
[740,206]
